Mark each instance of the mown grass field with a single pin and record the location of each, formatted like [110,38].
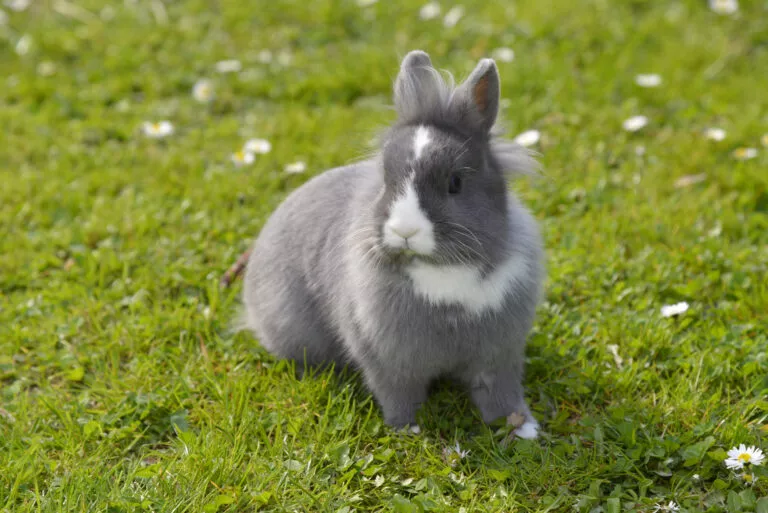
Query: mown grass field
[121,387]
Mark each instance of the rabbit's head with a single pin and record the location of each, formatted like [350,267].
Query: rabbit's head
[444,196]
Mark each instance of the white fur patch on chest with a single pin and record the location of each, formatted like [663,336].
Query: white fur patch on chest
[463,285]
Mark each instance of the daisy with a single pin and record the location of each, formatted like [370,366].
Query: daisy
[429,11]
[453,16]
[635,123]
[157,129]
[714,134]
[18,5]
[264,56]
[671,506]
[528,138]
[23,45]
[724,6]
[202,91]
[296,168]
[688,180]
[46,69]
[673,310]
[284,58]
[259,146]
[648,80]
[749,479]
[504,54]
[243,158]
[743,455]
[454,454]
[229,66]
[745,153]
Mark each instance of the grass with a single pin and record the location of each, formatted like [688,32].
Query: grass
[121,388]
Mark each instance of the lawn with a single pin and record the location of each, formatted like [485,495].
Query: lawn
[122,387]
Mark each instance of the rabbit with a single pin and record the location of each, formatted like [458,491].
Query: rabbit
[415,264]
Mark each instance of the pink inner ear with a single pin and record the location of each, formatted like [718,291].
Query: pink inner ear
[480,92]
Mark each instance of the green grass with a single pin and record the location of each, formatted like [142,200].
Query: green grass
[121,387]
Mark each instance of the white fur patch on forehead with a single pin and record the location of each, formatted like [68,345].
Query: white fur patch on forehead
[420,141]
[465,286]
[408,226]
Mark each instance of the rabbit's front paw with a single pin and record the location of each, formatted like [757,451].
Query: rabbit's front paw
[410,429]
[526,428]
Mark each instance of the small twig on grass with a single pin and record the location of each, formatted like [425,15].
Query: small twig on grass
[235,270]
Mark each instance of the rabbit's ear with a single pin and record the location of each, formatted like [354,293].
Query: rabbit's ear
[480,94]
[418,89]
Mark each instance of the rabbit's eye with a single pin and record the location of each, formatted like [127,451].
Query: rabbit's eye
[454,184]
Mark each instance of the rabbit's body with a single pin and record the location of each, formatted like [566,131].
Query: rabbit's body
[370,265]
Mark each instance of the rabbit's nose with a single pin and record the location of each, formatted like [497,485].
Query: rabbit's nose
[404,231]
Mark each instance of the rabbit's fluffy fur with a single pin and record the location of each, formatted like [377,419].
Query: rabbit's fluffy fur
[415,264]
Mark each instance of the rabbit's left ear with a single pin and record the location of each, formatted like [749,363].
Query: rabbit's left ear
[480,94]
[418,88]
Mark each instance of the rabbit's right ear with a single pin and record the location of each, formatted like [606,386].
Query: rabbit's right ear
[418,90]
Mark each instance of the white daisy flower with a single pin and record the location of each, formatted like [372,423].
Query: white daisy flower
[23,45]
[745,153]
[688,180]
[714,134]
[749,478]
[635,123]
[296,168]
[454,454]
[243,158]
[648,80]
[284,58]
[259,146]
[503,54]
[669,507]
[724,6]
[264,56]
[157,129]
[429,11]
[743,455]
[202,91]
[453,16]
[46,69]
[673,310]
[229,66]
[18,5]
[528,138]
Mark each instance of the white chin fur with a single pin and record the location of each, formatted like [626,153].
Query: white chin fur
[408,225]
[529,430]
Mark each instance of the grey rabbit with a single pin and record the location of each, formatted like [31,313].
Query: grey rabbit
[415,264]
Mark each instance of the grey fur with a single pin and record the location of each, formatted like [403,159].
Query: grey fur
[322,288]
